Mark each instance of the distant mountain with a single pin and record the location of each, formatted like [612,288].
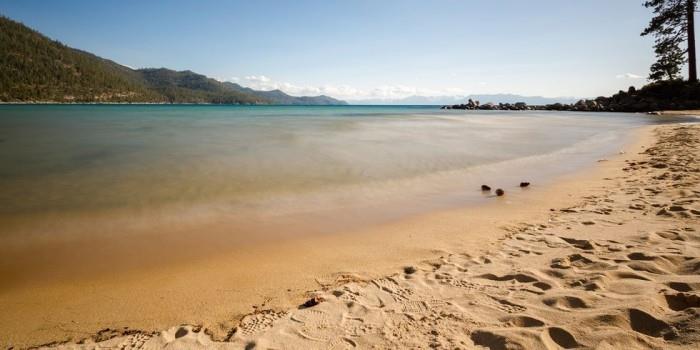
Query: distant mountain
[34,68]
[279,97]
[190,87]
[449,100]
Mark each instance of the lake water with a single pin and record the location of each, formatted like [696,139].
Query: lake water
[255,163]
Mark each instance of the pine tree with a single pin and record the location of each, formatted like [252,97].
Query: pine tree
[669,59]
[673,24]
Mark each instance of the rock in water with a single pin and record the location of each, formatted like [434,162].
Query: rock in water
[485,188]
[524,184]
[500,192]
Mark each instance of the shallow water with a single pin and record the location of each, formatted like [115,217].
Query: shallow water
[266,161]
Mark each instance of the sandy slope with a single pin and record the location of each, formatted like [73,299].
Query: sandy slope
[619,270]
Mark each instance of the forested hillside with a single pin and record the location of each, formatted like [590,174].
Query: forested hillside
[34,68]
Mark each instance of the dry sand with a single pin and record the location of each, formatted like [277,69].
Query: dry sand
[614,264]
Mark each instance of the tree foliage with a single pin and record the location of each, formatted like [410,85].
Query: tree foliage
[670,30]
[190,87]
[669,61]
[34,68]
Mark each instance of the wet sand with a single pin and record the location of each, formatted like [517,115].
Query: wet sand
[686,112]
[485,275]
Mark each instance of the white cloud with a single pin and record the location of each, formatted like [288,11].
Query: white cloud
[629,76]
[345,92]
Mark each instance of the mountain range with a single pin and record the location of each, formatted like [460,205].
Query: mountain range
[35,68]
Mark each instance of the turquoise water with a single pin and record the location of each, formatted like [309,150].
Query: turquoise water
[273,160]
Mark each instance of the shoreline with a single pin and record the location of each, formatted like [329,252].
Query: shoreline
[695,113]
[619,269]
[610,271]
[539,108]
[156,233]
[411,240]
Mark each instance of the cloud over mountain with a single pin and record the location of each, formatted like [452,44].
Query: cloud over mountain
[345,92]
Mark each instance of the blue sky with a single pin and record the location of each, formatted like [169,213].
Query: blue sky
[359,49]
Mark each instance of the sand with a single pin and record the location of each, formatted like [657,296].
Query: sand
[606,259]
[683,112]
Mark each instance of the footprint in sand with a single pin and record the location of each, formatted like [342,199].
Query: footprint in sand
[644,323]
[681,301]
[579,243]
[690,267]
[522,321]
[579,261]
[588,281]
[673,235]
[135,341]
[414,306]
[504,340]
[626,275]
[646,266]
[562,338]
[520,277]
[423,306]
[258,322]
[507,306]
[392,287]
[683,287]
[542,285]
[341,343]
[312,317]
[565,302]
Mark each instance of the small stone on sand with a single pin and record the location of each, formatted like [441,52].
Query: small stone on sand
[500,192]
[312,302]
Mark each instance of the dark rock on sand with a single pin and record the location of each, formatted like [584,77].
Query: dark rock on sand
[312,302]
[500,192]
[181,332]
[485,188]
[524,184]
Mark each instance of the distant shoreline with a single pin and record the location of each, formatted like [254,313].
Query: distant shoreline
[684,112]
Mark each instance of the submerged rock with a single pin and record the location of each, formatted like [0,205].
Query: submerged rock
[524,184]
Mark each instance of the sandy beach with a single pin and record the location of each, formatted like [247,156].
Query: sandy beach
[605,258]
[349,175]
